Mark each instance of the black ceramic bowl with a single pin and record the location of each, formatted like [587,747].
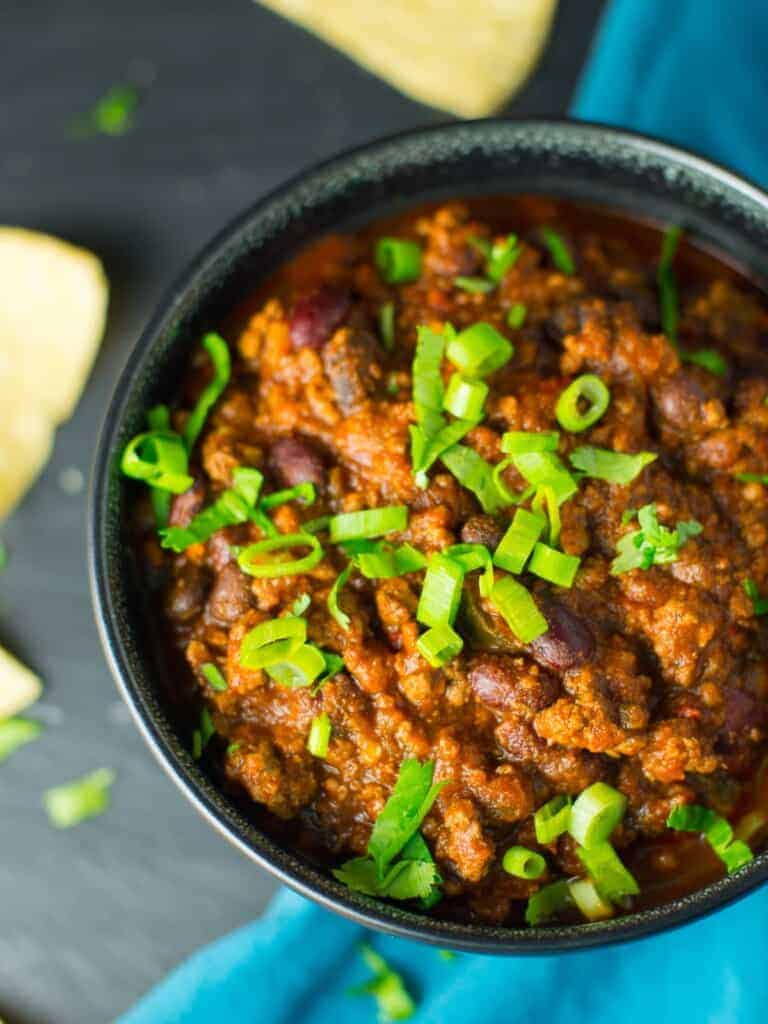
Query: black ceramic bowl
[570,160]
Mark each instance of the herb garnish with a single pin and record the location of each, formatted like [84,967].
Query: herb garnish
[387,987]
[652,544]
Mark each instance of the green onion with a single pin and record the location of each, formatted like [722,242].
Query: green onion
[708,358]
[272,641]
[471,557]
[553,566]
[759,604]
[596,813]
[215,679]
[387,325]
[235,505]
[218,350]
[501,257]
[716,830]
[553,819]
[516,315]
[497,476]
[665,279]
[479,350]
[111,115]
[752,478]
[589,901]
[545,469]
[398,260]
[370,522]
[547,902]
[615,467]
[519,541]
[304,492]
[337,613]
[652,544]
[612,879]
[428,381]
[15,733]
[518,609]
[402,814]
[251,559]
[559,251]
[441,592]
[587,388]
[519,442]
[159,459]
[465,398]
[474,473]
[523,863]
[387,987]
[232,748]
[425,451]
[384,562]
[474,285]
[319,735]
[300,605]
[546,500]
[159,418]
[439,645]
[76,801]
[316,525]
[299,668]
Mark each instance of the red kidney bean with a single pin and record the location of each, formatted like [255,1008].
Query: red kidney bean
[742,711]
[295,461]
[185,598]
[185,506]
[316,316]
[482,529]
[568,641]
[511,683]
[230,596]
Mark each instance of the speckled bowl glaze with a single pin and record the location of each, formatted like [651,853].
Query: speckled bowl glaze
[571,160]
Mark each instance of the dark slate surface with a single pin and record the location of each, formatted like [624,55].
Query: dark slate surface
[91,917]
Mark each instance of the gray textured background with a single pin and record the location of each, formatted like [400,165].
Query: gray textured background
[236,101]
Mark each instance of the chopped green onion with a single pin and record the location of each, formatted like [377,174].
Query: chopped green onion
[518,609]
[652,544]
[547,902]
[471,557]
[15,733]
[498,482]
[299,668]
[612,879]
[370,522]
[665,279]
[387,987]
[559,251]
[708,358]
[159,418]
[716,830]
[759,604]
[207,730]
[482,245]
[386,562]
[215,679]
[553,819]
[615,467]
[441,592]
[319,735]
[398,260]
[589,901]
[337,613]
[519,442]
[387,325]
[736,855]
[251,559]
[554,566]
[546,469]
[425,451]
[159,459]
[408,804]
[304,492]
[232,748]
[474,285]
[235,505]
[501,257]
[316,525]
[516,315]
[479,350]
[439,645]
[523,863]
[587,388]
[76,801]
[519,541]
[110,115]
[334,663]
[272,641]
[546,500]
[428,381]
[752,478]
[300,605]
[596,813]
[218,350]
[465,398]
[474,473]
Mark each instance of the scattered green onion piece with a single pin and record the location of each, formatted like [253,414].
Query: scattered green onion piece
[268,640]
[334,663]
[110,115]
[465,398]
[546,501]
[15,733]
[300,668]
[553,819]
[474,285]
[546,469]
[519,541]
[304,492]
[604,464]
[387,325]
[159,418]
[587,388]
[665,279]
[337,613]
[508,496]
[589,901]
[319,735]
[708,358]
[516,315]
[559,251]
[218,350]
[474,473]
[479,350]
[519,442]
[612,880]
[752,478]
[441,592]
[734,853]
[425,451]
[547,902]
[370,522]
[159,458]
[385,562]
[501,257]
[316,525]
[213,675]
[232,748]
[518,609]
[398,260]
[76,801]
[428,381]
[523,863]
[251,560]
[553,565]
[439,645]
[235,505]
[759,604]
[387,987]
[207,729]
[300,605]
[471,557]
[595,814]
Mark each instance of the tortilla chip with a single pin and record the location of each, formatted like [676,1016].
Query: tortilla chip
[19,686]
[465,56]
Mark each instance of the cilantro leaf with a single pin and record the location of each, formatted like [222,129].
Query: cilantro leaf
[652,544]
[404,811]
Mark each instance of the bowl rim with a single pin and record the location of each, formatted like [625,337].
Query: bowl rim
[190,779]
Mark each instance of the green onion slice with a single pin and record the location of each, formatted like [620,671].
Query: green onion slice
[708,358]
[716,830]
[471,557]
[479,350]
[523,863]
[425,451]
[76,801]
[387,987]
[465,398]
[300,605]
[589,901]
[387,325]
[319,735]
[553,819]
[439,645]
[304,492]
[316,525]
[337,613]
[251,559]
[518,609]
[159,418]
[369,522]
[516,315]
[159,458]
[398,260]
[218,350]
[301,667]
[474,285]
[402,814]
[519,541]
[441,592]
[559,251]
[383,561]
[548,901]
[15,733]
[612,880]
[752,478]
[519,442]
[272,641]
[235,505]
[595,814]
[545,500]
[510,497]
[213,675]
[546,469]
[587,388]
[665,279]
[501,257]
[615,467]
[759,604]
[474,473]
[553,565]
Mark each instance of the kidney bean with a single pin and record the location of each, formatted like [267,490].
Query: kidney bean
[482,529]
[185,598]
[230,595]
[316,316]
[742,711]
[568,641]
[350,365]
[295,461]
[511,683]
[185,506]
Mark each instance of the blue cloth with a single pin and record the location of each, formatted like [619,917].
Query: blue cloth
[694,72]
